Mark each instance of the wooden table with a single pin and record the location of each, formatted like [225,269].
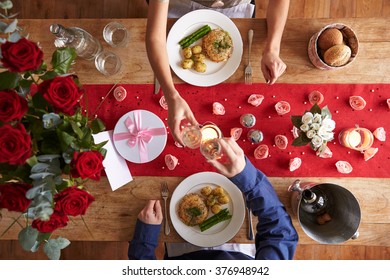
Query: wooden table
[112,216]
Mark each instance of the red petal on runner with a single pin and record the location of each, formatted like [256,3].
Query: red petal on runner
[316,97]
[255,99]
[282,107]
[261,152]
[163,103]
[327,153]
[380,134]
[388,102]
[369,153]
[218,108]
[171,161]
[357,102]
[344,167]
[295,131]
[120,93]
[236,132]
[294,163]
[281,141]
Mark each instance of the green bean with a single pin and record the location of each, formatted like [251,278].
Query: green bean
[223,215]
[190,39]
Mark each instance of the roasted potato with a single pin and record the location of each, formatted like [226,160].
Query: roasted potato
[223,199]
[187,63]
[218,191]
[200,67]
[199,57]
[196,49]
[206,190]
[187,52]
[216,208]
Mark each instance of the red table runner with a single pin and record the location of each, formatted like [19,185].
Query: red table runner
[234,98]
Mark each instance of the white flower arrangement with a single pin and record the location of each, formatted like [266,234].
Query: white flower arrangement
[315,127]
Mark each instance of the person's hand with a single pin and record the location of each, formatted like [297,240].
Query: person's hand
[233,158]
[272,67]
[151,214]
[178,110]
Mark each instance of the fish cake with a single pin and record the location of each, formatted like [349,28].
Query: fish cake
[187,212]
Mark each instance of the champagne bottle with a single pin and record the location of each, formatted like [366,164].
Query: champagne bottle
[85,45]
[313,201]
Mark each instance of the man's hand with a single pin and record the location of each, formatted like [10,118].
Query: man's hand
[272,67]
[151,214]
[233,161]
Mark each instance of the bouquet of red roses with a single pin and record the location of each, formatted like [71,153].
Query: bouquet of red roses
[47,151]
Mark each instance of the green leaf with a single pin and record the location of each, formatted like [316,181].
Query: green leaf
[77,129]
[49,75]
[315,109]
[326,113]
[65,139]
[296,121]
[97,125]
[302,140]
[9,80]
[62,60]
[53,247]
[39,102]
[27,237]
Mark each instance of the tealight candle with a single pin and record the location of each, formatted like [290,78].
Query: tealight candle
[359,139]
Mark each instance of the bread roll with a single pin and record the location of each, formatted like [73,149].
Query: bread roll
[330,37]
[337,55]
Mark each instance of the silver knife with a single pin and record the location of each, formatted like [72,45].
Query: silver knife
[249,216]
[156,86]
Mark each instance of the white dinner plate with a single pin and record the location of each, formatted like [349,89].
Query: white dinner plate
[216,72]
[156,145]
[219,233]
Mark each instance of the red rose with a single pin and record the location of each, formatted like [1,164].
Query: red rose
[13,196]
[62,93]
[87,165]
[12,106]
[73,201]
[21,56]
[15,144]
[57,220]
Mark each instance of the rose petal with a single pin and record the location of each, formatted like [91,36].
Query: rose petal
[295,131]
[327,153]
[344,167]
[380,134]
[218,108]
[357,102]
[120,93]
[294,163]
[255,99]
[163,103]
[388,102]
[369,153]
[281,141]
[282,107]
[171,161]
[316,97]
[236,132]
[261,152]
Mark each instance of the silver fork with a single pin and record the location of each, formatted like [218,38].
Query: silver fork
[164,195]
[248,68]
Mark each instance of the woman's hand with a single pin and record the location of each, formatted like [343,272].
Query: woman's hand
[272,67]
[233,159]
[151,214]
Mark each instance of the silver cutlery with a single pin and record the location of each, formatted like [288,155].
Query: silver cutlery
[164,195]
[249,216]
[248,68]
[156,86]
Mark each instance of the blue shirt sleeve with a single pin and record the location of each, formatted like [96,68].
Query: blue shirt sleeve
[144,242]
[276,237]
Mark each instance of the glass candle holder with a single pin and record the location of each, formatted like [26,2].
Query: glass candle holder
[359,139]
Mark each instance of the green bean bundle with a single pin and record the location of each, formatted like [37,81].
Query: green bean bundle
[193,37]
[223,215]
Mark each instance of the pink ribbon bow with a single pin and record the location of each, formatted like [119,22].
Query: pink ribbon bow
[138,135]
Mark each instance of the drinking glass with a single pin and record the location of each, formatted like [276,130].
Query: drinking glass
[191,136]
[108,63]
[115,34]
[211,148]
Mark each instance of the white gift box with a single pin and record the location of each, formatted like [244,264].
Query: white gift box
[140,136]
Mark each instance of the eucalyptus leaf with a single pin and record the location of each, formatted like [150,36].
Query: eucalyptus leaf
[53,247]
[11,27]
[51,120]
[9,80]
[48,158]
[326,112]
[41,175]
[34,191]
[27,237]
[6,5]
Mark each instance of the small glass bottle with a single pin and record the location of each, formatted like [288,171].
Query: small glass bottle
[313,202]
[85,44]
